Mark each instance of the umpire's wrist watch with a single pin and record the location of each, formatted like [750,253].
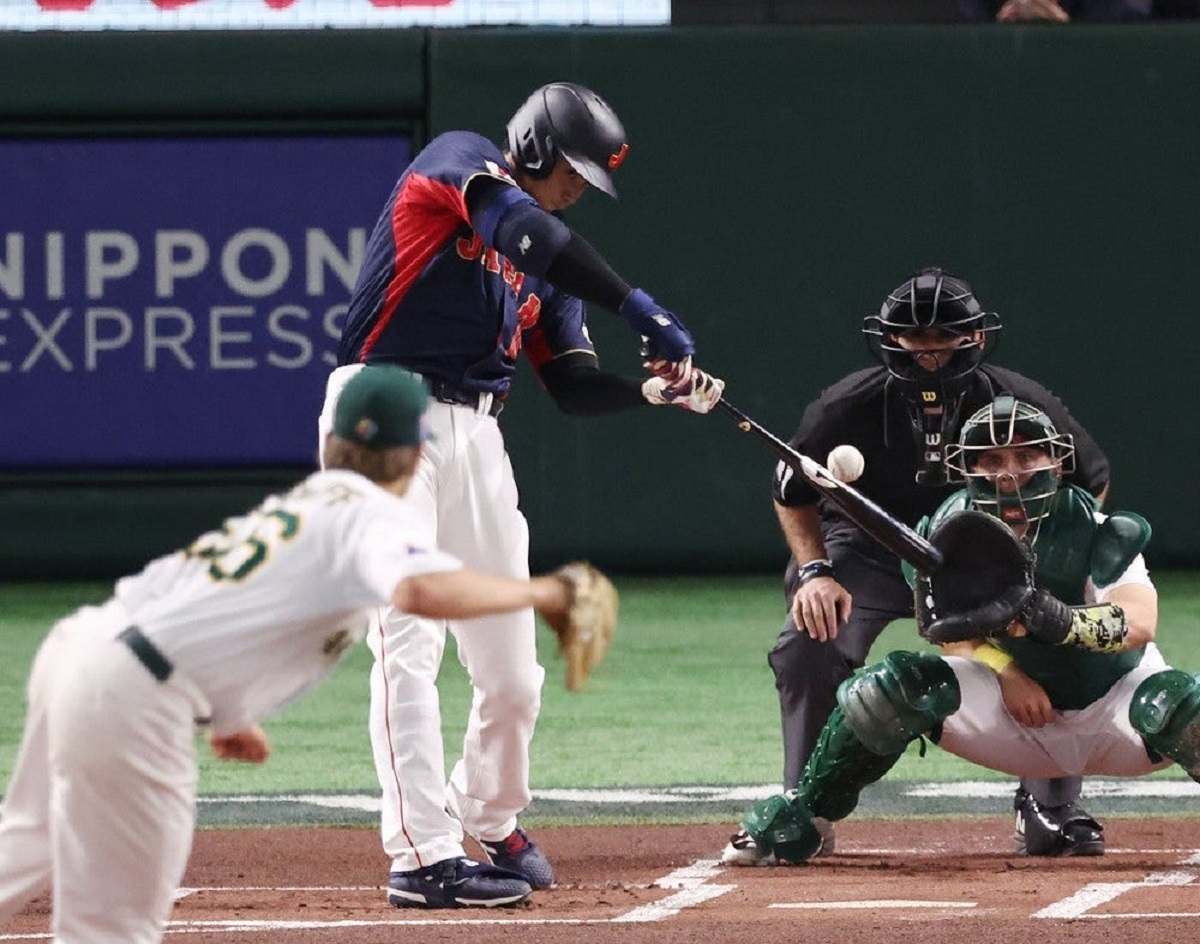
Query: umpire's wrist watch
[822,567]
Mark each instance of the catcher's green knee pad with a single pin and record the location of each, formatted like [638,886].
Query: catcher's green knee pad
[904,696]
[783,824]
[1165,710]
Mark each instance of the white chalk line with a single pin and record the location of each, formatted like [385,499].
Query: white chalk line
[1095,894]
[187,891]
[1143,914]
[942,849]
[877,904]
[690,880]
[693,890]
[961,789]
[999,789]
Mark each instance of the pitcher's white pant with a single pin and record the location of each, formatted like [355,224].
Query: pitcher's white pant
[101,802]
[1096,740]
[465,489]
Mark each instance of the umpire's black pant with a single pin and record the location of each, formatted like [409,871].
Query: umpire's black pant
[808,672]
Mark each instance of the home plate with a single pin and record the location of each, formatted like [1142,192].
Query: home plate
[877,903]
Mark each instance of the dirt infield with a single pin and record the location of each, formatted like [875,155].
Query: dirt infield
[890,881]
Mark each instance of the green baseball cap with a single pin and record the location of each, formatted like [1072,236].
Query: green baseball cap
[382,406]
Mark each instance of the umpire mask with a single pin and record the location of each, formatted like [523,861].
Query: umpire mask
[931,332]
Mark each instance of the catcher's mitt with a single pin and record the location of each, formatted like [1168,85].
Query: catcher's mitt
[984,582]
[586,628]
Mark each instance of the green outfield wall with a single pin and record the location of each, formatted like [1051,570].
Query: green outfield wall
[779,182]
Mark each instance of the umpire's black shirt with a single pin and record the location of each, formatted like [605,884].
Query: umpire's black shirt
[862,410]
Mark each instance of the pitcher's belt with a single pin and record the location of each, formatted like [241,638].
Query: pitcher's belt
[147,653]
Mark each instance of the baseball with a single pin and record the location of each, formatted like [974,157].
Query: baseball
[845,463]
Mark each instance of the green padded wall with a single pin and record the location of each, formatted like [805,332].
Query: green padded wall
[781,181]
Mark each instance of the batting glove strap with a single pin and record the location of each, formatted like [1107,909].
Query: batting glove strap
[666,336]
[699,394]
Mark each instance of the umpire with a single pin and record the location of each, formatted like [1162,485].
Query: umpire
[931,336]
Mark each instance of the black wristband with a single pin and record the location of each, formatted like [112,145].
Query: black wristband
[822,567]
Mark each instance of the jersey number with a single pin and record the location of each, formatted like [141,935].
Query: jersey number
[244,544]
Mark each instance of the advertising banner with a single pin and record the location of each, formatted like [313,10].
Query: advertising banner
[177,302]
[314,14]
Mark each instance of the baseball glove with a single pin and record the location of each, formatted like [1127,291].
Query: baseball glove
[984,583]
[586,628]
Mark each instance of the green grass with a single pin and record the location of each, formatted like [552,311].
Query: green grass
[686,696]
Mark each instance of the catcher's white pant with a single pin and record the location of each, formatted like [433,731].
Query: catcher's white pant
[1095,740]
[101,802]
[465,489]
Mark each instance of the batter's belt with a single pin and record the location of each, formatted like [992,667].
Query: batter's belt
[445,392]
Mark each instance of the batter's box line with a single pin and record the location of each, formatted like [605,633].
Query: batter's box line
[1095,894]
[691,882]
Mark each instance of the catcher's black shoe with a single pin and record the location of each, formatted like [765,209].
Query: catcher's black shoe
[1063,830]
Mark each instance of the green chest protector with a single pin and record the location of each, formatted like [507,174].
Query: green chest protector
[1071,547]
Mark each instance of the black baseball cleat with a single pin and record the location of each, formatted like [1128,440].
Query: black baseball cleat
[457,883]
[1063,830]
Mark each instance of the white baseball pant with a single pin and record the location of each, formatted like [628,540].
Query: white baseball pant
[101,805]
[1095,740]
[465,489]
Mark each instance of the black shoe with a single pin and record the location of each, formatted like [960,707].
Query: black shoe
[457,883]
[1063,830]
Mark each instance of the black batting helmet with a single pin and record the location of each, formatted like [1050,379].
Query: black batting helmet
[932,299]
[568,119]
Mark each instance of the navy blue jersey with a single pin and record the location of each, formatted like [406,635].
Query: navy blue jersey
[434,298]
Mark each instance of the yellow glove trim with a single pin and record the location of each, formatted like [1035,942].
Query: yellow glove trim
[995,659]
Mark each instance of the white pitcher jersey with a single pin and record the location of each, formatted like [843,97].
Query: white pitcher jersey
[260,610]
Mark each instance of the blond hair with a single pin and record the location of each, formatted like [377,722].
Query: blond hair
[381,466]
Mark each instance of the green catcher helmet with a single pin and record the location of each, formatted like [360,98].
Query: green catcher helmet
[1008,423]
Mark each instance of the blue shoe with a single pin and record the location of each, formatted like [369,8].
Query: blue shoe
[457,883]
[516,852]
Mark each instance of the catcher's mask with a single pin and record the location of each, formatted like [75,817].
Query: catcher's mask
[931,300]
[1018,489]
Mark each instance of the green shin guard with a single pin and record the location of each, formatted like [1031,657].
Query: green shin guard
[894,701]
[880,709]
[783,824]
[839,768]
[1165,710]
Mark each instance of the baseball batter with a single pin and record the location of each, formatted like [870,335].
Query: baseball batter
[468,266]
[101,803]
[1073,685]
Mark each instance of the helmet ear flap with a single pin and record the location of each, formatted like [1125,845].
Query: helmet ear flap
[529,140]
[533,158]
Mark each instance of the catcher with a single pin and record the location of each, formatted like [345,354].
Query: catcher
[1047,670]
[102,799]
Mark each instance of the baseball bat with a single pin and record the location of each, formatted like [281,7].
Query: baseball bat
[892,533]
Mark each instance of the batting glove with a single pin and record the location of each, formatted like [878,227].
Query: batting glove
[665,336]
[699,394]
